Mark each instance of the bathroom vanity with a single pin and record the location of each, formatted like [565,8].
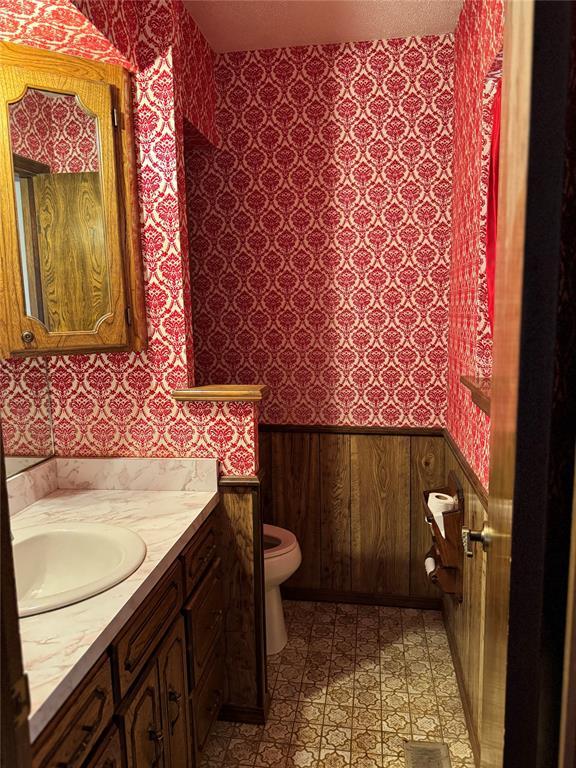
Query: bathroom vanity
[155,692]
[134,675]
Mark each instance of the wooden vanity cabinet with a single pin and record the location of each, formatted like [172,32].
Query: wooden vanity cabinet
[67,742]
[151,700]
[155,720]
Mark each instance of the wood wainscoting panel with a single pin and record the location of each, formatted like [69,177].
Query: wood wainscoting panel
[426,472]
[335,524]
[295,480]
[465,621]
[238,527]
[380,514]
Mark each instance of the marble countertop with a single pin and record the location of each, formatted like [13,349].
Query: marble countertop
[60,646]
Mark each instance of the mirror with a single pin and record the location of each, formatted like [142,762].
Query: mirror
[60,215]
[25,413]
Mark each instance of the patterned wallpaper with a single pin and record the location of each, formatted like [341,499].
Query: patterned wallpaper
[120,404]
[25,408]
[56,25]
[478,41]
[54,130]
[320,232]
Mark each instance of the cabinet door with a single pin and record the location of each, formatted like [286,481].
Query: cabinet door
[204,616]
[142,720]
[70,268]
[174,693]
[109,753]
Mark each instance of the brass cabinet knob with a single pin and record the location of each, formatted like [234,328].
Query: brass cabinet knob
[27,337]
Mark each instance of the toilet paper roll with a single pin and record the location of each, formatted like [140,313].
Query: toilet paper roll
[429,565]
[438,503]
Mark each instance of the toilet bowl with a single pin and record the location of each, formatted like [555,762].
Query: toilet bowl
[282,557]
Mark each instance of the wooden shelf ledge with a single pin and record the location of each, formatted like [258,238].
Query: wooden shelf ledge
[480,389]
[222,392]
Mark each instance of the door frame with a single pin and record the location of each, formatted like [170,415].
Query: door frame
[533,428]
[14,694]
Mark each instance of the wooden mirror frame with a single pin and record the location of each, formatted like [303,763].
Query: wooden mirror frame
[130,324]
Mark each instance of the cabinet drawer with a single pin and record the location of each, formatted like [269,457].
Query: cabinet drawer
[198,556]
[109,752]
[207,699]
[67,742]
[134,647]
[204,619]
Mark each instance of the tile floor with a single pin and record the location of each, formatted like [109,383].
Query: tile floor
[352,684]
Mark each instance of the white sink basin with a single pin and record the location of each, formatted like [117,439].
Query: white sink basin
[62,563]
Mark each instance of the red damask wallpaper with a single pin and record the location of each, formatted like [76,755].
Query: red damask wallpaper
[120,404]
[320,231]
[478,41]
[57,25]
[56,131]
[25,408]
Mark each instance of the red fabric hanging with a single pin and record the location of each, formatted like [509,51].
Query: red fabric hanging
[492,218]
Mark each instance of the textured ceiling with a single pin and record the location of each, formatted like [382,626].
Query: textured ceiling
[246,25]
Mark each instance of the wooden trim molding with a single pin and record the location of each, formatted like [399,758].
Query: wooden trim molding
[472,731]
[346,430]
[480,389]
[230,483]
[479,489]
[222,393]
[361,598]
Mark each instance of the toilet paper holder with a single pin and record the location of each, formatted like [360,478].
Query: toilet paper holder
[448,548]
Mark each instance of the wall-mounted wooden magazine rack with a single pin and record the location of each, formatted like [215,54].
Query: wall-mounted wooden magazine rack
[447,550]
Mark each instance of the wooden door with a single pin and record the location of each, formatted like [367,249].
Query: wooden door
[518,702]
[143,725]
[174,693]
[73,277]
[14,697]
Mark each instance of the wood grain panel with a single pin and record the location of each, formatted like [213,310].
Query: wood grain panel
[265,464]
[335,525]
[426,472]
[239,530]
[380,514]
[295,462]
[466,620]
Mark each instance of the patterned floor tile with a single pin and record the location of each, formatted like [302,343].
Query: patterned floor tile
[241,752]
[333,759]
[307,735]
[336,738]
[352,685]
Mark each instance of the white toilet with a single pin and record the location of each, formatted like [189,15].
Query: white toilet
[282,557]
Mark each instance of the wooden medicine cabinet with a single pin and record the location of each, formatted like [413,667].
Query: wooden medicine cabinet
[70,271]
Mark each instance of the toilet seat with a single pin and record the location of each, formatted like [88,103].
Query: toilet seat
[278,541]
